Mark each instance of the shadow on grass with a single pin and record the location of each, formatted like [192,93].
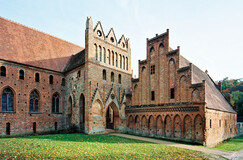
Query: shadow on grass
[78,137]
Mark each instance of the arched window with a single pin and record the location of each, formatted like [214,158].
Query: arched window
[119,78]
[96,53]
[126,63]
[7,100]
[104,55]
[55,103]
[116,60]
[51,79]
[37,77]
[123,62]
[104,74]
[112,76]
[109,57]
[100,50]
[3,71]
[120,61]
[34,101]
[21,74]
[112,58]
[63,81]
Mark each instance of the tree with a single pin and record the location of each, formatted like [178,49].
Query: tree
[225,83]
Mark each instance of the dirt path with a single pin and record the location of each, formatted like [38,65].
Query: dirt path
[226,154]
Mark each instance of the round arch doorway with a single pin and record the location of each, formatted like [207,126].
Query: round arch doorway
[112,116]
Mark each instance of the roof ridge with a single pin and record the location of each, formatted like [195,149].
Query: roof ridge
[48,34]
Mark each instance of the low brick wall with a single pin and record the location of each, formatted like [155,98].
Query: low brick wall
[239,129]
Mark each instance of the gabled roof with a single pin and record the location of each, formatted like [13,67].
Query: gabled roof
[213,97]
[75,61]
[25,45]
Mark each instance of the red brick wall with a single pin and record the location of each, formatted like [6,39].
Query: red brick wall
[21,120]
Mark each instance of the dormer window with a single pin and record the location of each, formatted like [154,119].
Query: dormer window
[99,33]
[112,40]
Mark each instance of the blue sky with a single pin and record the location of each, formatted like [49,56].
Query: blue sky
[209,32]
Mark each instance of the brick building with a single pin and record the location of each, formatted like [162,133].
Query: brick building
[48,84]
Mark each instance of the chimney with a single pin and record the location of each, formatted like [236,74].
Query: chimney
[206,71]
[219,86]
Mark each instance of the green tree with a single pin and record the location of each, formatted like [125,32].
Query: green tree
[225,83]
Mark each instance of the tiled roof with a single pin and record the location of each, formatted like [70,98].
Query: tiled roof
[25,45]
[75,61]
[213,97]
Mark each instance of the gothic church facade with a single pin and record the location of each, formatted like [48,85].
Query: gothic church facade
[50,85]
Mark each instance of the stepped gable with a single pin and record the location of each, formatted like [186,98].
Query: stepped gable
[213,97]
[25,45]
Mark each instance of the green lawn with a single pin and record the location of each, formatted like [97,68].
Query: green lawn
[235,144]
[79,146]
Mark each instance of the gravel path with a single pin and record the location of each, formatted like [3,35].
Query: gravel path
[226,154]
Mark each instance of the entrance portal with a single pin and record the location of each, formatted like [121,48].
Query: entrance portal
[110,118]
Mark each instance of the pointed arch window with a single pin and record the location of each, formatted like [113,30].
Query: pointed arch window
[21,74]
[7,100]
[109,57]
[55,103]
[116,60]
[96,53]
[104,74]
[119,78]
[113,58]
[100,50]
[120,61]
[112,76]
[123,62]
[126,63]
[34,101]
[3,71]
[104,55]
[37,77]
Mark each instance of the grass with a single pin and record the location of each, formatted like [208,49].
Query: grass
[80,146]
[235,144]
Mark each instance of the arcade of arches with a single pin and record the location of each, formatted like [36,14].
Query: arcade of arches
[187,126]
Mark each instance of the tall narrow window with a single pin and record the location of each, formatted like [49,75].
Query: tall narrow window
[123,59]
[63,81]
[34,127]
[112,58]
[219,123]
[8,128]
[126,63]
[55,103]
[96,53]
[104,55]
[116,60]
[112,76]
[120,61]
[55,126]
[21,74]
[100,50]
[34,101]
[172,93]
[152,70]
[152,96]
[3,71]
[37,77]
[7,100]
[104,74]
[78,74]
[210,123]
[51,79]
[119,78]
[109,57]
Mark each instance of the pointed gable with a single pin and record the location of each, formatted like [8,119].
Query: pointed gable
[111,38]
[122,42]
[98,30]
